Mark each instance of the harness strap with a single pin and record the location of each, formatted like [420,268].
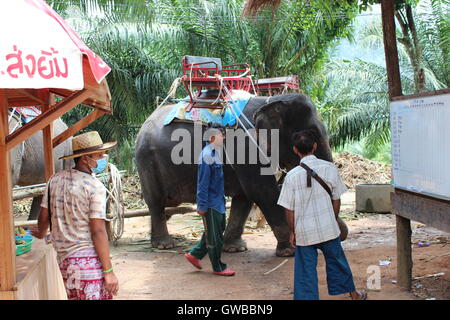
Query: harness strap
[312,173]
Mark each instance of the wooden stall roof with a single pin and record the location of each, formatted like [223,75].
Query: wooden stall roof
[99,96]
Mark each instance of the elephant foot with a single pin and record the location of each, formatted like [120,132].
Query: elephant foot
[233,246]
[285,250]
[162,243]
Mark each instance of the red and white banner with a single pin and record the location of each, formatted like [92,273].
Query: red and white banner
[38,49]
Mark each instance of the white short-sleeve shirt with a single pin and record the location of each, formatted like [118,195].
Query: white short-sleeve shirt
[314,218]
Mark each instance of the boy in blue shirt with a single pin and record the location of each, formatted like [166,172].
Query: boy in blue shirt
[211,204]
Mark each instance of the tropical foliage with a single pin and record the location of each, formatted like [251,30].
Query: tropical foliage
[144,41]
[352,95]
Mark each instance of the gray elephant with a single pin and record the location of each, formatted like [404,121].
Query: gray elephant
[167,184]
[27,160]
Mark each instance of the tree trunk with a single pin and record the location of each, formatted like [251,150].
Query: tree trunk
[413,48]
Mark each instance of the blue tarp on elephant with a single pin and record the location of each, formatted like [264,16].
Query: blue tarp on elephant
[224,117]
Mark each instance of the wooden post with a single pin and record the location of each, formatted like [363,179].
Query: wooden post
[47,134]
[7,244]
[403,225]
[390,48]
[81,124]
[404,252]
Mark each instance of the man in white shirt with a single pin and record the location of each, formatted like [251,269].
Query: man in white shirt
[311,216]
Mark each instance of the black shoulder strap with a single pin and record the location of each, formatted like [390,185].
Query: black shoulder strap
[312,173]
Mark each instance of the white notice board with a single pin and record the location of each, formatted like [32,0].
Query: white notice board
[420,130]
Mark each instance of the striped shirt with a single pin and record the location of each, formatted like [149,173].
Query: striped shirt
[75,197]
[314,217]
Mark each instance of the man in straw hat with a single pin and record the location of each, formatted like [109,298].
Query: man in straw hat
[74,207]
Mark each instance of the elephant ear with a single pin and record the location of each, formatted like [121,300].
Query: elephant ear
[269,116]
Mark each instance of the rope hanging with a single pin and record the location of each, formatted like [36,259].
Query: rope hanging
[172,91]
[279,170]
[115,205]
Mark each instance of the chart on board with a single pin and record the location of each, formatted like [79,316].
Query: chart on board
[420,135]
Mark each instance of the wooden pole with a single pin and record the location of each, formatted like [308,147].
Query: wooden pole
[81,124]
[7,244]
[403,225]
[404,252]
[168,211]
[390,48]
[47,134]
[28,194]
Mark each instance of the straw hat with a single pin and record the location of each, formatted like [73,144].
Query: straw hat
[88,143]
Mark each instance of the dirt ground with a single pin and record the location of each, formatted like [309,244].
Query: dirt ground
[148,273]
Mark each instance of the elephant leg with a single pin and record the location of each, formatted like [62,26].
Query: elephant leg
[280,229]
[159,232]
[240,209]
[35,208]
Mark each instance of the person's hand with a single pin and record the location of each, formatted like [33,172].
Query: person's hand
[37,233]
[111,283]
[202,213]
[292,239]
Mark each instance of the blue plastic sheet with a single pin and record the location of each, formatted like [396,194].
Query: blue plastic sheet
[224,117]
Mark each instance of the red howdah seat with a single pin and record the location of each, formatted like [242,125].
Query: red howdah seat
[278,84]
[205,73]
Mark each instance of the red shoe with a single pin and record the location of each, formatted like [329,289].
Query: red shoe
[227,272]
[195,262]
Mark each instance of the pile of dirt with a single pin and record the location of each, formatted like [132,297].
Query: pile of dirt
[22,207]
[132,195]
[355,169]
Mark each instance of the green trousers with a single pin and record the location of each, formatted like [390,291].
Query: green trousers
[212,240]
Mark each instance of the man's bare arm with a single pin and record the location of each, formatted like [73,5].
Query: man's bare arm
[290,219]
[43,224]
[101,243]
[336,207]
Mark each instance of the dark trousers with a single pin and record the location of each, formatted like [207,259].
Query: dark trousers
[211,242]
[339,275]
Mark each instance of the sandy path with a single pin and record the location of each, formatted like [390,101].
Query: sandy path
[146,274]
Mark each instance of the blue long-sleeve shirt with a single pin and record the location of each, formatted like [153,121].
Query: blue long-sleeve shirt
[210,181]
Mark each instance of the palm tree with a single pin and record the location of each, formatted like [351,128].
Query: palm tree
[433,24]
[295,39]
[136,77]
[143,42]
[353,94]
[358,107]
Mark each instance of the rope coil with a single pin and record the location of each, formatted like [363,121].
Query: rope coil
[114,200]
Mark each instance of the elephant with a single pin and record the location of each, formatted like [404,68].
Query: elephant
[167,184]
[27,160]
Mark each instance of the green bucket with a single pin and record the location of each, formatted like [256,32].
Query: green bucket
[24,248]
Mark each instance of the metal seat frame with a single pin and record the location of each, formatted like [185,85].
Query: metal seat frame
[200,76]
